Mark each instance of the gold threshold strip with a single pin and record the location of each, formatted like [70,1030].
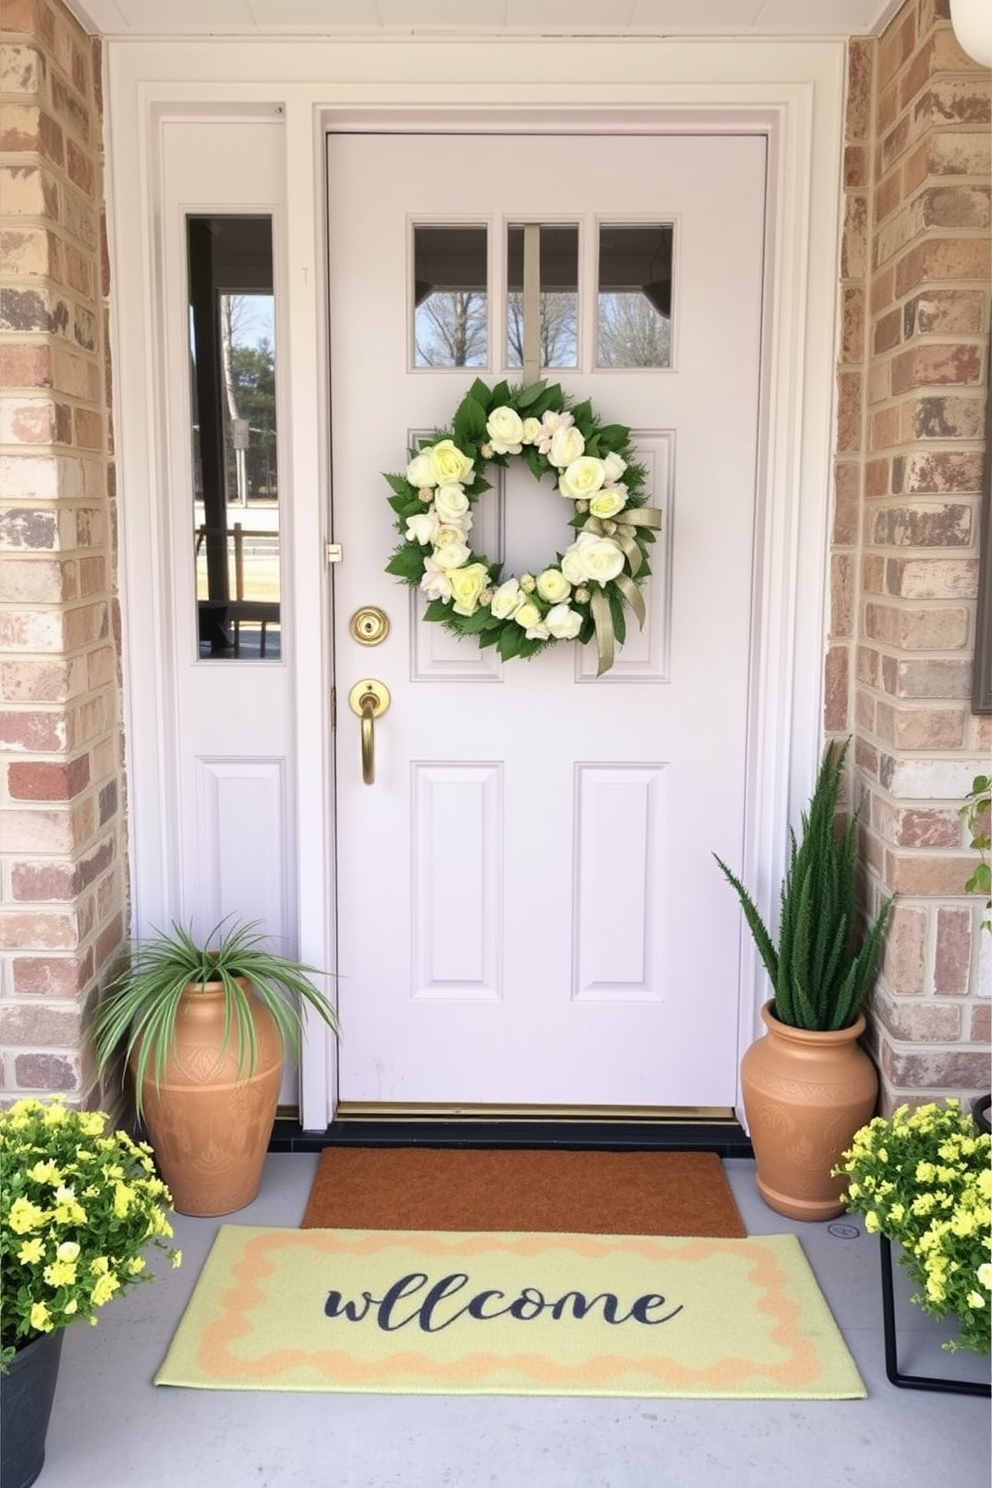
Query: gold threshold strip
[449,1111]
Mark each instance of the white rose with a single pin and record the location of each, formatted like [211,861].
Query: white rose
[420,528]
[444,536]
[451,504]
[528,583]
[505,428]
[608,502]
[552,585]
[448,465]
[466,586]
[566,446]
[563,622]
[507,599]
[600,558]
[582,478]
[435,583]
[615,468]
[451,556]
[528,615]
[419,472]
[531,431]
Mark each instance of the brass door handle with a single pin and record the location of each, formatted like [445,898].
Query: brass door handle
[368,701]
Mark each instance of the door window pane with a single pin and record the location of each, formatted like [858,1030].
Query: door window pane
[634,326]
[559,258]
[235,469]
[450,297]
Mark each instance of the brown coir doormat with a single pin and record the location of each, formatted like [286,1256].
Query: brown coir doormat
[584,1193]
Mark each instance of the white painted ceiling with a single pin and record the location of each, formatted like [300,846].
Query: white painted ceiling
[144,18]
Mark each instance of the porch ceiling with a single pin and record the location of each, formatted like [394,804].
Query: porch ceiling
[143,18]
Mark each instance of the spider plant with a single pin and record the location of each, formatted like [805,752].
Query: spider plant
[821,971]
[141,1006]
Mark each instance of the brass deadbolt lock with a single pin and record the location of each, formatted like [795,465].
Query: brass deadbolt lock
[369,626]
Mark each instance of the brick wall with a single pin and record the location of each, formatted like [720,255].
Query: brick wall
[912,389]
[62,845]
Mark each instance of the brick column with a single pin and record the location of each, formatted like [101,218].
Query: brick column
[61,788]
[908,482]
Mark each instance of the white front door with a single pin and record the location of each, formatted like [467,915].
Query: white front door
[529,912]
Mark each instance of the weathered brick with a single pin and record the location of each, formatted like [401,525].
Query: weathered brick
[835,690]
[887,332]
[926,875]
[855,167]
[939,629]
[941,259]
[981,1024]
[946,416]
[52,976]
[935,1069]
[849,388]
[923,526]
[860,63]
[854,243]
[929,364]
[44,880]
[42,681]
[942,470]
[847,501]
[905,948]
[896,47]
[944,312]
[952,952]
[41,930]
[951,206]
[21,528]
[45,780]
[954,100]
[23,68]
[46,1072]
[28,129]
[853,324]
[932,578]
[32,1024]
[923,728]
[921,1022]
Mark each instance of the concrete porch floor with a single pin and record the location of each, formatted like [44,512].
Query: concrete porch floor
[111,1428]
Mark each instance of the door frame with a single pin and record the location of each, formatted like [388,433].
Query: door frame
[791,91]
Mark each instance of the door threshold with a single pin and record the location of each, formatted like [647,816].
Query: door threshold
[694,1129]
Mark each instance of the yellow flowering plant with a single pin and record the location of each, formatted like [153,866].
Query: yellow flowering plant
[78,1207]
[923,1179]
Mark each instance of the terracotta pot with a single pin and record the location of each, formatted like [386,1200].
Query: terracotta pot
[805,1094]
[209,1125]
[26,1397]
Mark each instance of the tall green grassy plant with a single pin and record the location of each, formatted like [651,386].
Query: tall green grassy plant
[141,1007]
[822,970]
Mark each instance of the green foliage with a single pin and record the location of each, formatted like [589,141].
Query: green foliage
[78,1207]
[923,1180]
[139,1011]
[975,813]
[821,971]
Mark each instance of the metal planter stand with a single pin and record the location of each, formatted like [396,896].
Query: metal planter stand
[895,1375]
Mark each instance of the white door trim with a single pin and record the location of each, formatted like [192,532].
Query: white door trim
[793,91]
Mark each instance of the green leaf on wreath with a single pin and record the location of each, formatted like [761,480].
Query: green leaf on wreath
[617,612]
[407,563]
[511,640]
[399,484]
[470,423]
[529,395]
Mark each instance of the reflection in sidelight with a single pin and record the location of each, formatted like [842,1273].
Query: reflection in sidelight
[235,467]
[450,296]
[558,296]
[635,296]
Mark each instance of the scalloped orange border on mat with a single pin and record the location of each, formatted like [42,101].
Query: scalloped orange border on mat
[801,1368]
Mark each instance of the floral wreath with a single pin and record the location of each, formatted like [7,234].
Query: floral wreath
[581,594]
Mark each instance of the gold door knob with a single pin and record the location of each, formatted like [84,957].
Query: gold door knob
[369,626]
[368,701]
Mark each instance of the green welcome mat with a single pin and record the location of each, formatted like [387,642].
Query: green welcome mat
[429,1312]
